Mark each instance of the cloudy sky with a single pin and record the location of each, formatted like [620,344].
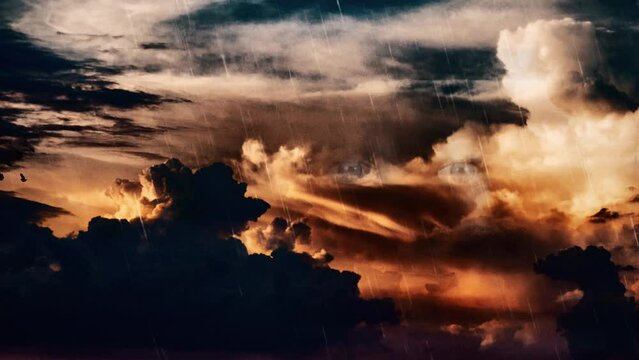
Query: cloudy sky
[400,179]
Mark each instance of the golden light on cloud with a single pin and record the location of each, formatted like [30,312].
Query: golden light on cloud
[460,157]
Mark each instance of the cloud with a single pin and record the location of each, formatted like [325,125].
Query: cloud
[38,84]
[433,218]
[133,59]
[269,10]
[166,191]
[176,279]
[556,161]
[36,75]
[16,143]
[493,331]
[603,216]
[24,255]
[572,77]
[490,243]
[25,212]
[608,11]
[280,234]
[604,323]
[320,46]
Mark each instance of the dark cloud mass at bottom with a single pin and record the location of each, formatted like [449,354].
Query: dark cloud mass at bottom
[176,281]
[605,322]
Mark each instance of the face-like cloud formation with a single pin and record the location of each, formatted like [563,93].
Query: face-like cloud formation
[391,217]
[438,148]
[174,278]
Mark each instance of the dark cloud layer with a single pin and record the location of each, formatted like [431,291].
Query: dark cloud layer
[463,64]
[45,81]
[609,10]
[604,215]
[244,11]
[416,206]
[613,84]
[175,281]
[605,323]
[348,129]
[281,234]
[208,198]
[21,215]
[501,240]
[39,76]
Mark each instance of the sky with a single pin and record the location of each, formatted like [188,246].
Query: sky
[439,179]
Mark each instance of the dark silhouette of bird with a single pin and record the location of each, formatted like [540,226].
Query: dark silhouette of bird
[23,178]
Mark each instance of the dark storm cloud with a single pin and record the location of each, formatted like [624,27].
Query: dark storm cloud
[404,60]
[604,215]
[421,342]
[505,243]
[349,130]
[608,10]
[500,240]
[34,76]
[427,64]
[596,91]
[244,11]
[604,324]
[440,312]
[172,281]
[207,198]
[616,46]
[281,234]
[22,211]
[614,84]
[154,46]
[16,141]
[23,252]
[413,205]
[39,76]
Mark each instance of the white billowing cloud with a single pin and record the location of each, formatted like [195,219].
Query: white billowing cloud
[337,53]
[560,61]
[575,160]
[284,181]
[463,23]
[106,30]
[255,86]
[343,48]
